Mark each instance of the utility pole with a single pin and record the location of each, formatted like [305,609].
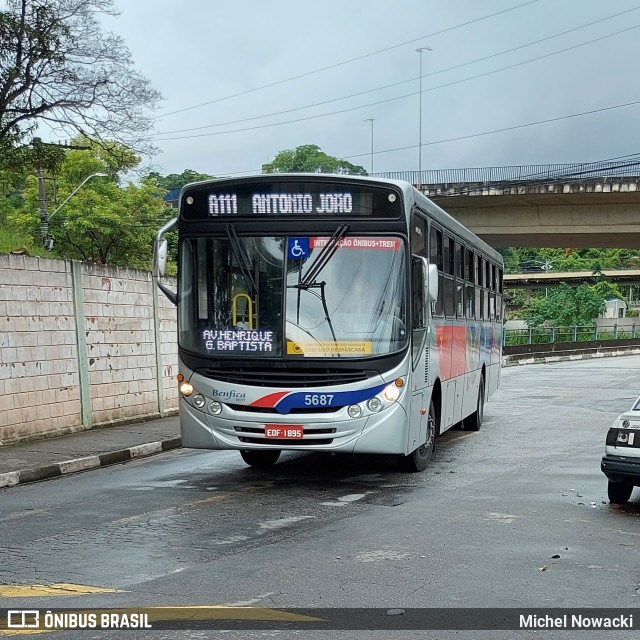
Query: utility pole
[45,236]
[371,121]
[420,50]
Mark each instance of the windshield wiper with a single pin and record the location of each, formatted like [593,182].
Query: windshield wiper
[323,299]
[241,256]
[323,257]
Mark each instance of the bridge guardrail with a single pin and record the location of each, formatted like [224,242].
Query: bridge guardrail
[549,335]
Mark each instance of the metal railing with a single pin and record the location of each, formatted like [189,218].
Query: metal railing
[627,168]
[548,335]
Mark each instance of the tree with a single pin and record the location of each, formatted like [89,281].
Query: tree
[58,66]
[103,221]
[309,158]
[178,180]
[566,306]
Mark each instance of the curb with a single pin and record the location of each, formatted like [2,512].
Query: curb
[524,359]
[12,478]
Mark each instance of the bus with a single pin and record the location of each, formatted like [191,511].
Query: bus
[329,313]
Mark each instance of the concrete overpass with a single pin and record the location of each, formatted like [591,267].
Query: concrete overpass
[594,205]
[626,279]
[538,280]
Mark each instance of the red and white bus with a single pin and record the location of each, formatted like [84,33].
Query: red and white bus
[329,313]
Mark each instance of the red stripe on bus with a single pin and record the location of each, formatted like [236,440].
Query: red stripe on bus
[269,401]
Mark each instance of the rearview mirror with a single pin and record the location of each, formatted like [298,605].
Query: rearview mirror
[160,259]
[432,281]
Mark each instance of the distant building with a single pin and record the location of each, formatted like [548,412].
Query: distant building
[171,199]
[615,308]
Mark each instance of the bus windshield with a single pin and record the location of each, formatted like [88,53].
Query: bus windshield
[303,297]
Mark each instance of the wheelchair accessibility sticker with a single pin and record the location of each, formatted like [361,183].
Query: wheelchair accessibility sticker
[297,248]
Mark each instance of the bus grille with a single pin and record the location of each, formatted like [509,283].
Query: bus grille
[283,443]
[287,377]
[260,430]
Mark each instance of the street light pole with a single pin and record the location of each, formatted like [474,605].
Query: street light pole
[371,121]
[420,50]
[47,240]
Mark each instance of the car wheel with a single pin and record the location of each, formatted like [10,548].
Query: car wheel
[619,492]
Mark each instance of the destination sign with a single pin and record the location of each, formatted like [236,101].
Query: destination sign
[289,198]
[283,203]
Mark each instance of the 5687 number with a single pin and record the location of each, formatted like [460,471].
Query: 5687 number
[318,399]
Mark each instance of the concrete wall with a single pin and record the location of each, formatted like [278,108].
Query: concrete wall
[80,347]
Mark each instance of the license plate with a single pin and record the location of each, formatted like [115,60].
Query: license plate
[284,431]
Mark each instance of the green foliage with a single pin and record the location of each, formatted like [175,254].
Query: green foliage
[309,158]
[103,221]
[566,306]
[520,259]
[178,180]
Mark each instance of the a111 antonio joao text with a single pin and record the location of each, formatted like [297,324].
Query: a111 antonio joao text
[576,621]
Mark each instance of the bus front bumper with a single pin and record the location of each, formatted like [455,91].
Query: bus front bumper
[384,432]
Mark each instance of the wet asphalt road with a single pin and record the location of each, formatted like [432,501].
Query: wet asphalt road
[477,529]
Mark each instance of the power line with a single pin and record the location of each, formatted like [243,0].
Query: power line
[407,95]
[339,64]
[433,73]
[477,135]
[513,128]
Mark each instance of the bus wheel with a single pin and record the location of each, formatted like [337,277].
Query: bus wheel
[260,459]
[419,459]
[619,492]
[474,421]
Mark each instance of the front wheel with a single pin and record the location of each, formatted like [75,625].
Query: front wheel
[619,492]
[419,459]
[260,459]
[474,421]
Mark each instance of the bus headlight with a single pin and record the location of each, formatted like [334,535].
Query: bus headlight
[199,401]
[215,407]
[354,411]
[391,393]
[186,388]
[374,404]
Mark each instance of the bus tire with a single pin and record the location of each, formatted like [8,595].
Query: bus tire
[260,459]
[619,492]
[474,421]
[418,460]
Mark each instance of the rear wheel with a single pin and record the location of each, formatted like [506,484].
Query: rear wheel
[418,460]
[474,421]
[260,459]
[619,492]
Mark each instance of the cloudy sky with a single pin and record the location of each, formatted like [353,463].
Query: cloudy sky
[244,80]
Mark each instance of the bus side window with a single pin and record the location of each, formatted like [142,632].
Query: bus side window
[469,294]
[449,255]
[449,277]
[459,261]
[499,309]
[418,236]
[460,271]
[478,279]
[436,257]
[468,263]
